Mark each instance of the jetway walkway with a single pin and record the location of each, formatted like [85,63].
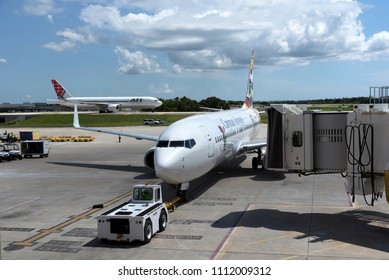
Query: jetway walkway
[354,144]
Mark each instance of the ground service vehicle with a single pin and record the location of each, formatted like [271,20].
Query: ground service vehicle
[139,219]
[4,155]
[152,121]
[29,135]
[30,148]
[13,150]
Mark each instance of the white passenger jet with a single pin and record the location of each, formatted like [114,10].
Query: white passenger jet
[191,147]
[105,104]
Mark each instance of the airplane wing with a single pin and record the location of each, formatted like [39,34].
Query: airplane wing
[248,146]
[138,136]
[60,102]
[211,109]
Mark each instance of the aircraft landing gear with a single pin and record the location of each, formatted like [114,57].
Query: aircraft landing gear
[184,196]
[256,161]
[183,191]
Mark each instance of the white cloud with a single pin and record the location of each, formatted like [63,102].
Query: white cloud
[38,7]
[379,42]
[213,12]
[163,88]
[50,18]
[78,36]
[71,38]
[136,62]
[110,17]
[177,69]
[3,61]
[197,60]
[199,34]
[60,47]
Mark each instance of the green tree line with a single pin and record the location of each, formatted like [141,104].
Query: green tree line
[185,104]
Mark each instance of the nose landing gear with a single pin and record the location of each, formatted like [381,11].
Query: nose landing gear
[181,190]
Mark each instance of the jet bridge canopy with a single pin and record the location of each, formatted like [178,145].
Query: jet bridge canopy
[305,141]
[351,143]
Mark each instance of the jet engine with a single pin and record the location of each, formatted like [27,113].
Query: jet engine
[112,108]
[149,158]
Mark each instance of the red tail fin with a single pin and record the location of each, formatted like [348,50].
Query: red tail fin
[60,90]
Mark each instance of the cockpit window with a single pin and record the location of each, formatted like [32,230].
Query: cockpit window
[162,144]
[174,144]
[190,143]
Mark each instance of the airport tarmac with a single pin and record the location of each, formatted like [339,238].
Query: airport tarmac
[46,208]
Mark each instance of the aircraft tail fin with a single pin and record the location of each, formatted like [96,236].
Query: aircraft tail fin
[60,91]
[248,103]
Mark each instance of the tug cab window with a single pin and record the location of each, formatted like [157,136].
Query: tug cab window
[157,194]
[143,194]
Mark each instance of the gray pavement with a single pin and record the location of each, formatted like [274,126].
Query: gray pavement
[46,208]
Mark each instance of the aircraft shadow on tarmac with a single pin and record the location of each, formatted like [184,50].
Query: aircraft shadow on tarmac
[358,227]
[231,169]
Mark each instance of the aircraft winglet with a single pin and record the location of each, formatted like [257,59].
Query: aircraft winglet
[76,122]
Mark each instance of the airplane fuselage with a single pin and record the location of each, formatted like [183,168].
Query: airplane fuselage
[132,102]
[192,147]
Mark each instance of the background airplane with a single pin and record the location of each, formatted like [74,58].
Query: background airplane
[191,147]
[105,104]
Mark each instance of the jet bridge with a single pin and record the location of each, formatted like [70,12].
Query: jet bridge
[317,142]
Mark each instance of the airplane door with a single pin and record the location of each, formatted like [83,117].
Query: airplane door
[209,138]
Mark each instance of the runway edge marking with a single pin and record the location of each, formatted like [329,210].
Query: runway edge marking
[220,249]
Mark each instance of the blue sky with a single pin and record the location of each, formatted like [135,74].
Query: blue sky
[305,49]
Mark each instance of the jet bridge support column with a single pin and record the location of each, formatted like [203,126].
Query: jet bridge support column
[368,151]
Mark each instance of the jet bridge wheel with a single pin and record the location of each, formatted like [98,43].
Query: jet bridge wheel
[147,232]
[255,163]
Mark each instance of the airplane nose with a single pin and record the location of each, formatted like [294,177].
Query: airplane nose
[168,166]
